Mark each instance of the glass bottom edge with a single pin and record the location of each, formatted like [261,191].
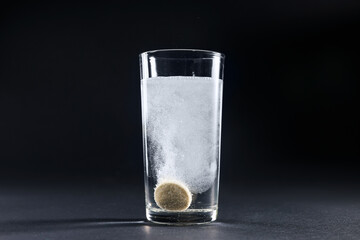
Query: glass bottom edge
[182,218]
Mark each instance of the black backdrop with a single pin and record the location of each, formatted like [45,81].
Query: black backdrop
[70,93]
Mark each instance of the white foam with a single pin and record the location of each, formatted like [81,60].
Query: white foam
[182,121]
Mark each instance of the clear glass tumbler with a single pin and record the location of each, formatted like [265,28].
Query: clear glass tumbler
[181,95]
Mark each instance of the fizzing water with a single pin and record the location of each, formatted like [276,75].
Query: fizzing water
[182,122]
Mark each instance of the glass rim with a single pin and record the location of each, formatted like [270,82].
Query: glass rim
[209,52]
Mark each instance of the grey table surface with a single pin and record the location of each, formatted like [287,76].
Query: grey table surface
[110,212]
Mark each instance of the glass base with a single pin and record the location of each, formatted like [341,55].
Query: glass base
[188,217]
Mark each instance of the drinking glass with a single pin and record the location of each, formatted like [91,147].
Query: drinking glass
[181,102]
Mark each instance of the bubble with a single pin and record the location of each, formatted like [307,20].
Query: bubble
[182,127]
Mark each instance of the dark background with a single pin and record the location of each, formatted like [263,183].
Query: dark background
[70,92]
